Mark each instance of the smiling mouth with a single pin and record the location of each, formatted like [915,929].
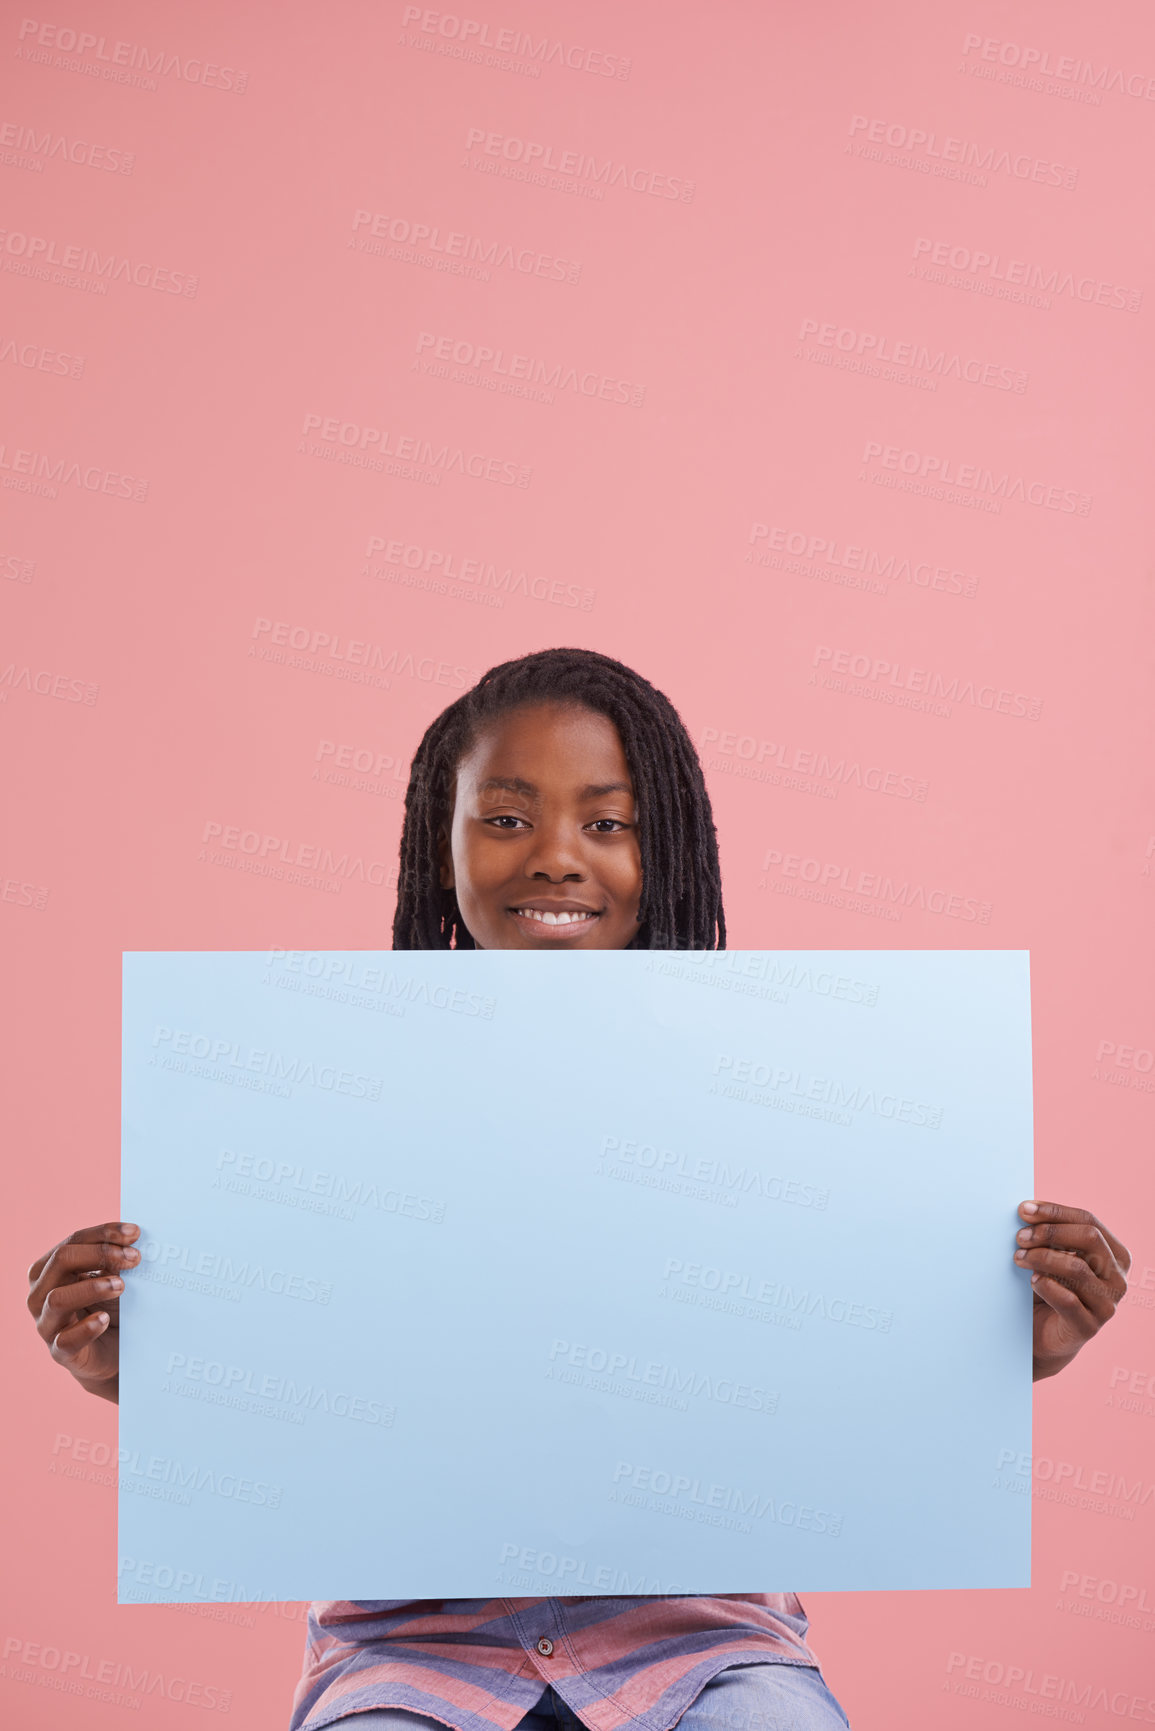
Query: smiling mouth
[567,920]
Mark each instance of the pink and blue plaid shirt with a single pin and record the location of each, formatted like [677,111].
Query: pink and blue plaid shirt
[481,1664]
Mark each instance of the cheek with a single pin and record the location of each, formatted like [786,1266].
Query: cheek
[478,867]
[627,874]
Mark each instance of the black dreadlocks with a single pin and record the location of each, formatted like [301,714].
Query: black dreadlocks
[681,903]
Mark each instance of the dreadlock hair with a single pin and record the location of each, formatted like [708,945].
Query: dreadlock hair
[681,901]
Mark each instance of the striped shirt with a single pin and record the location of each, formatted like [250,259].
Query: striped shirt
[481,1664]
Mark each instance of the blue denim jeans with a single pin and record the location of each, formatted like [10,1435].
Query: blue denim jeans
[740,1698]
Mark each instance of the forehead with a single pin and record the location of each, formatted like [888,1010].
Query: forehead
[548,744]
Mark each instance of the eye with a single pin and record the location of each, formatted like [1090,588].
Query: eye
[504,818]
[615,823]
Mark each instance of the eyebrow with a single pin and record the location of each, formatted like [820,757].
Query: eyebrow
[515,784]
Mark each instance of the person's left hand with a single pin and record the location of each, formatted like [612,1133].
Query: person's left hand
[1079,1275]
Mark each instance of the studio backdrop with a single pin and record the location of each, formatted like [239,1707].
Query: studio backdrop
[800,357]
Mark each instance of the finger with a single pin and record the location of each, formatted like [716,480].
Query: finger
[112,1232]
[64,1303]
[1066,1269]
[1067,1306]
[67,1263]
[1088,1241]
[55,1318]
[1040,1213]
[66,1287]
[72,1342]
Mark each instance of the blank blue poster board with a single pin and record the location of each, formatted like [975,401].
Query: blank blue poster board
[467,1274]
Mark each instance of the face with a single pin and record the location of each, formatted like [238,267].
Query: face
[542,849]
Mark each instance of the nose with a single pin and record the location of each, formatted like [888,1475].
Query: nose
[556,854]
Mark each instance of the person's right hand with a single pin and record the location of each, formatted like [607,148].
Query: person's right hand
[74,1296]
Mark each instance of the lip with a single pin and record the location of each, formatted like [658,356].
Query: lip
[537,929]
[544,905]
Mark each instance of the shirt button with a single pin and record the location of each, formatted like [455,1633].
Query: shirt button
[545,1646]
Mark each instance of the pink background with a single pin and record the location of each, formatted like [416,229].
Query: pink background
[762,310]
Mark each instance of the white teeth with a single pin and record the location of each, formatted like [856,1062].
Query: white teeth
[552,919]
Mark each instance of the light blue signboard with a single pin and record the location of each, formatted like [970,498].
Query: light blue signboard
[487,1273]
